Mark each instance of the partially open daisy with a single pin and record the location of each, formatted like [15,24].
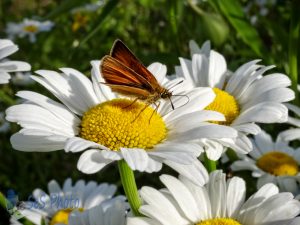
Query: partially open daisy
[7,48]
[107,128]
[112,212]
[217,203]
[272,162]
[56,206]
[244,97]
[292,133]
[28,27]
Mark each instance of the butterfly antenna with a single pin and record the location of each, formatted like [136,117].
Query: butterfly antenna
[188,100]
[176,84]
[171,103]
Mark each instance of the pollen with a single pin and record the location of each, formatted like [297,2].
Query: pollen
[225,104]
[62,216]
[121,123]
[278,164]
[31,28]
[219,221]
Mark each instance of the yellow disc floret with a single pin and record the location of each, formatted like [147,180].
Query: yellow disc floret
[119,123]
[219,221]
[278,164]
[31,28]
[225,104]
[62,216]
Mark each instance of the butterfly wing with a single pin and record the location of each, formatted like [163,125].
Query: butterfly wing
[120,52]
[124,80]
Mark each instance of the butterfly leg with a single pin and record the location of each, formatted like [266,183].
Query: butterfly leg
[155,110]
[141,112]
[134,101]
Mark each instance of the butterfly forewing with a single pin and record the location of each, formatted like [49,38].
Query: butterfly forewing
[120,52]
[119,77]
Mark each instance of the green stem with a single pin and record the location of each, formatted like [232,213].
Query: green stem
[232,155]
[210,164]
[293,47]
[129,186]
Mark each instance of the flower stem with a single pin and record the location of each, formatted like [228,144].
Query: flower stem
[293,46]
[209,164]
[129,186]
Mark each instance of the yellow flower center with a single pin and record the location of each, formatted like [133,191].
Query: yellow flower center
[62,216]
[225,104]
[278,164]
[119,123]
[31,28]
[219,221]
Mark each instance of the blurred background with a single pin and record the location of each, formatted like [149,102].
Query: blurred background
[157,30]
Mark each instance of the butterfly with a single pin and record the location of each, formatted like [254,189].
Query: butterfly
[124,73]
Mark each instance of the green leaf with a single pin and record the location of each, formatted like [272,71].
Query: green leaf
[234,13]
[2,201]
[64,6]
[110,5]
[215,27]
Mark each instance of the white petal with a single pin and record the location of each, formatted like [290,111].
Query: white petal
[264,142]
[137,159]
[77,144]
[248,128]
[217,70]
[54,187]
[157,200]
[4,77]
[102,91]
[290,135]
[56,108]
[141,221]
[236,193]
[217,193]
[36,143]
[34,117]
[91,161]
[158,70]
[211,131]
[195,172]
[267,112]
[14,66]
[182,196]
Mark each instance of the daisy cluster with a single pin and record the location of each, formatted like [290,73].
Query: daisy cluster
[214,119]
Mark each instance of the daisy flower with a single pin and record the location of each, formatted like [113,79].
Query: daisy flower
[22,79]
[61,202]
[7,48]
[244,96]
[4,125]
[94,120]
[110,213]
[271,162]
[293,133]
[218,202]
[28,28]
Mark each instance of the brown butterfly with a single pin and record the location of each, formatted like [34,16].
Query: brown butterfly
[124,73]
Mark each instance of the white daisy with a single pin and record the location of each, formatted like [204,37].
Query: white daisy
[4,125]
[218,202]
[110,213]
[56,207]
[244,97]
[22,79]
[7,48]
[93,120]
[292,133]
[28,28]
[272,162]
